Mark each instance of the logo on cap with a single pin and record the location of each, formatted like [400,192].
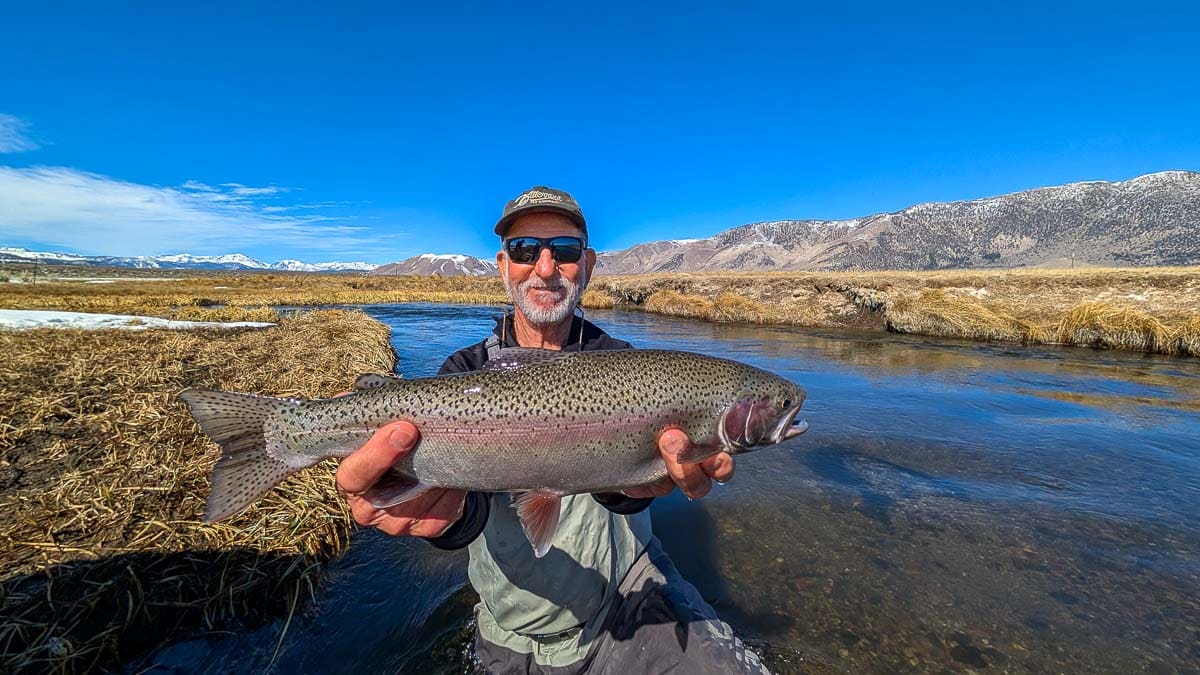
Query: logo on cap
[537,197]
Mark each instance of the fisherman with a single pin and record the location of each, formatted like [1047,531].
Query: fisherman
[605,598]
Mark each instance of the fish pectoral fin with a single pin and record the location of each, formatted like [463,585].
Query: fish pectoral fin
[698,452]
[538,511]
[394,488]
[368,381]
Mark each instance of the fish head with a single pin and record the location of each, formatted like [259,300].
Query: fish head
[764,414]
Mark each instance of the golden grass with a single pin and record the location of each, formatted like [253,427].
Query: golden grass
[595,300]
[1100,324]
[104,478]
[729,307]
[935,312]
[1187,336]
[1026,305]
[1151,309]
[249,291]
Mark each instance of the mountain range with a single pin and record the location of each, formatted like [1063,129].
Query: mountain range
[233,261]
[1149,220]
[447,265]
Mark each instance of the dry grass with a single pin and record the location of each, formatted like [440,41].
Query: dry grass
[104,477]
[594,300]
[1187,336]
[935,312]
[249,291]
[1153,309]
[1100,324]
[728,307]
[1027,305]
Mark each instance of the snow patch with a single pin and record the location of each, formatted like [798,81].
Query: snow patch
[23,319]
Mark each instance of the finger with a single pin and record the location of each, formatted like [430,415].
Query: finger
[660,488]
[362,511]
[361,470]
[719,467]
[690,478]
[442,515]
[424,516]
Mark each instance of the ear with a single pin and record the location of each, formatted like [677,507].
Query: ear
[591,261]
[500,266]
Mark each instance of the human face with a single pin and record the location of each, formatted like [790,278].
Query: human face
[544,291]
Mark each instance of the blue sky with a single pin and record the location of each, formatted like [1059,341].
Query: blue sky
[374,132]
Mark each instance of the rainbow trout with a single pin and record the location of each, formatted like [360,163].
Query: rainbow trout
[541,424]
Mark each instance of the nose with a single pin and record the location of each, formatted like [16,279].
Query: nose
[545,267]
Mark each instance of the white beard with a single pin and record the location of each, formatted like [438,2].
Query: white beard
[546,316]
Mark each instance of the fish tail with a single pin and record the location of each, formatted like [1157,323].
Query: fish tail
[239,424]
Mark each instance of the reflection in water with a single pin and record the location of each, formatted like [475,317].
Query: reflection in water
[954,506]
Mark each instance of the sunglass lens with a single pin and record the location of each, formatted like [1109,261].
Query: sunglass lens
[566,249]
[523,250]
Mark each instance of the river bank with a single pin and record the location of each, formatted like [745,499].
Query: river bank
[104,474]
[1153,310]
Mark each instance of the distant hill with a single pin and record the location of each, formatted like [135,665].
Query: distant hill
[447,265]
[233,261]
[1149,220]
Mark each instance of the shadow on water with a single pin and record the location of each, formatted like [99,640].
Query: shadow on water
[64,618]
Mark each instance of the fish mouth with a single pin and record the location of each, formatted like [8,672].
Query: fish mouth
[788,426]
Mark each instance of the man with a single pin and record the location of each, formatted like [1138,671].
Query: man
[605,598]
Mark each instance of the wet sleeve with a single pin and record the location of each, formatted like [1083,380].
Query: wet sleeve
[621,504]
[475,515]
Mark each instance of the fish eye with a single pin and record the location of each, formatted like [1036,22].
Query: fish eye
[787,402]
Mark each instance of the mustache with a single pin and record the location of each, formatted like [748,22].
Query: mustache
[543,285]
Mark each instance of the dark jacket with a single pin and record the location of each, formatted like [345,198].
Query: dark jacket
[584,336]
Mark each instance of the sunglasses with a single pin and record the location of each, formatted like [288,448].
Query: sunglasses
[525,250]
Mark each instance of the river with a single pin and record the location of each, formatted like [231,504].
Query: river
[954,507]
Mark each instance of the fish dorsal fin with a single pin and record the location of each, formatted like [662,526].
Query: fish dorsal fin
[374,381]
[538,511]
[511,358]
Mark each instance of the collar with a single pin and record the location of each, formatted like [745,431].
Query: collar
[582,331]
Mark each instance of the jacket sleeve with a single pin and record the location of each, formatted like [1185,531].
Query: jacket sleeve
[477,507]
[621,504]
[476,510]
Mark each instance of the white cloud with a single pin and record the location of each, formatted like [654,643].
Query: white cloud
[247,191]
[98,215]
[12,135]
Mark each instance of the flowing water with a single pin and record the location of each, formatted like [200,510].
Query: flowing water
[955,507]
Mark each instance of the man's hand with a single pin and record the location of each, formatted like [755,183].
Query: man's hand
[429,515]
[695,480]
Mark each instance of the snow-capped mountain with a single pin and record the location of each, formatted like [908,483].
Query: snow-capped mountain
[232,261]
[1149,220]
[447,265]
[297,266]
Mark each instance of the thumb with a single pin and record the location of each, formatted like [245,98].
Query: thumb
[368,464]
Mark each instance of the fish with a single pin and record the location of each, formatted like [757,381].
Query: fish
[540,424]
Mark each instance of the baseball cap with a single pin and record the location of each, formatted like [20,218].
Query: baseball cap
[540,199]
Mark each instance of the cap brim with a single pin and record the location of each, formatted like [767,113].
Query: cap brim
[504,223]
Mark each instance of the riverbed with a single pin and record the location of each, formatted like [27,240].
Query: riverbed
[955,506]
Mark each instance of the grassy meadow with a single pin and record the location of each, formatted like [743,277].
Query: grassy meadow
[105,474]
[1150,309]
